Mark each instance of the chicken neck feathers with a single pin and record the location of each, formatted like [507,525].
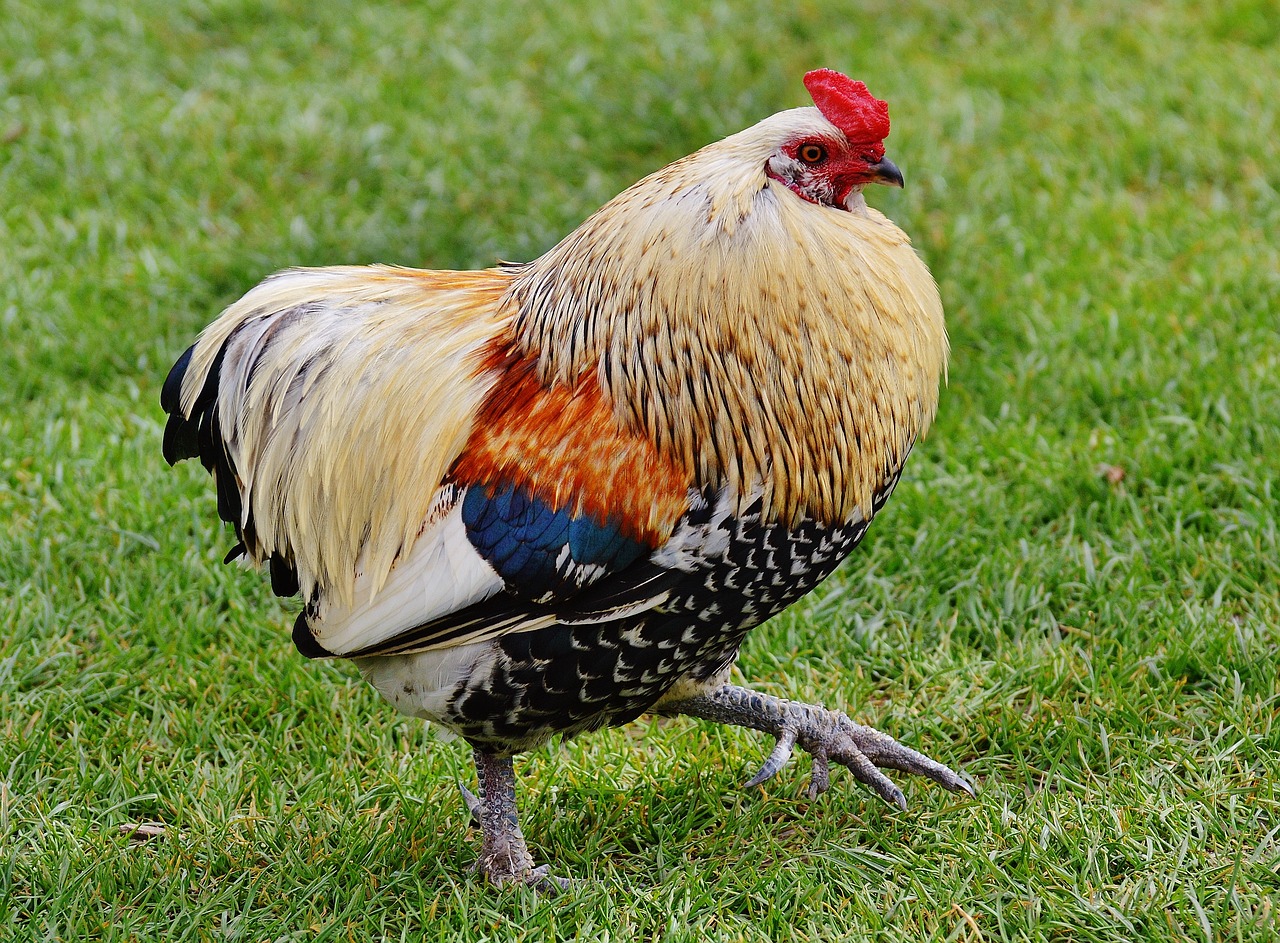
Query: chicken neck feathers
[753,337]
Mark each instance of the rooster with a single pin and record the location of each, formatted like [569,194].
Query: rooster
[546,498]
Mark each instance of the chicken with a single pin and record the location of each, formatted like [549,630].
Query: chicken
[550,497]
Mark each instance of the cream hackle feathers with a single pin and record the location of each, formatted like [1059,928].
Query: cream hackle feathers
[361,397]
[760,340]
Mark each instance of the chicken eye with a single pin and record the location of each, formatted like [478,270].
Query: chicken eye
[812,153]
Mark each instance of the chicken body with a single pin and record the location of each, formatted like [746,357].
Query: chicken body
[545,498]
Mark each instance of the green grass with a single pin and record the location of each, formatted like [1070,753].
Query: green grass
[1095,187]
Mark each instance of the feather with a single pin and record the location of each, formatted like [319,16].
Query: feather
[440,575]
[388,362]
[818,372]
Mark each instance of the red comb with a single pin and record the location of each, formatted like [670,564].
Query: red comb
[848,105]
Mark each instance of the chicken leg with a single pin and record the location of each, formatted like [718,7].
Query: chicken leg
[504,855]
[827,735]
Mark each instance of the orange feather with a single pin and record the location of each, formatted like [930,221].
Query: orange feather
[562,444]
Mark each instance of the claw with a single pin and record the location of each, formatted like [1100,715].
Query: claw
[542,880]
[474,805]
[829,736]
[820,782]
[881,750]
[776,760]
[865,772]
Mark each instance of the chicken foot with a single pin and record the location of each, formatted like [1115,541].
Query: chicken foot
[504,854]
[827,735]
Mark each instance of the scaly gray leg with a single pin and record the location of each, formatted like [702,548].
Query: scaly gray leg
[828,735]
[504,856]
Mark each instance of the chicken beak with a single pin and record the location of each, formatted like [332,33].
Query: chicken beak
[887,172]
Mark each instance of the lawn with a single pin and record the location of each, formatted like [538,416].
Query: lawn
[1073,595]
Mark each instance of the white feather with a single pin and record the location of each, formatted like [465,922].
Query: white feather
[424,684]
[441,574]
